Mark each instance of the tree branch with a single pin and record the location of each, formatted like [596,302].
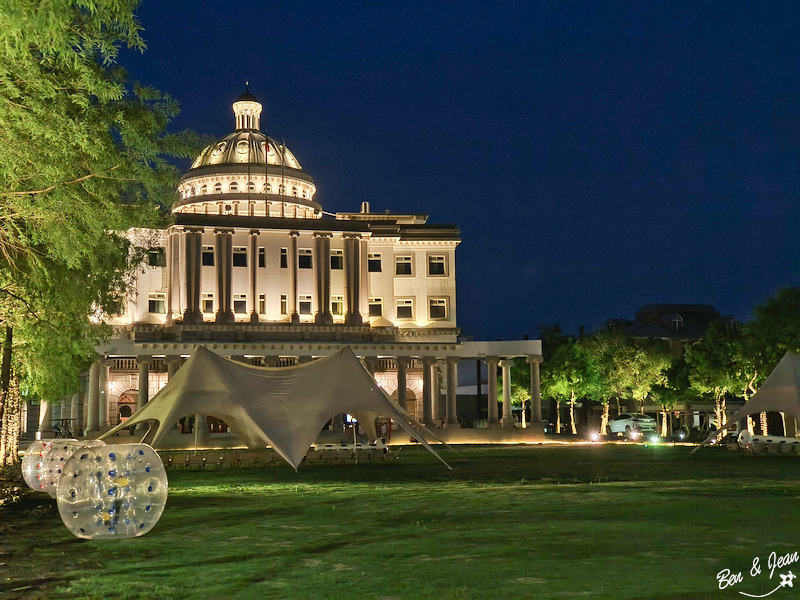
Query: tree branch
[78,180]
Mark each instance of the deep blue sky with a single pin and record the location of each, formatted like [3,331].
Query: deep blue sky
[597,156]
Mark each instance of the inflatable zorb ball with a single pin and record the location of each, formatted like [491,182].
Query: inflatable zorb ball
[34,465]
[60,452]
[112,491]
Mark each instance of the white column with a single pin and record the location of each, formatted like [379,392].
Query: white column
[105,368]
[75,413]
[436,400]
[93,416]
[402,386]
[427,366]
[144,387]
[452,379]
[252,297]
[293,314]
[193,245]
[352,274]
[363,297]
[491,362]
[45,420]
[369,364]
[536,396]
[508,417]
[224,268]
[322,276]
[169,301]
[173,364]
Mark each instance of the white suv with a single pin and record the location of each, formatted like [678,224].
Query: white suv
[632,425]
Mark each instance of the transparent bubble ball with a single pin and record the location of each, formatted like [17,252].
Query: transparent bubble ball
[112,491]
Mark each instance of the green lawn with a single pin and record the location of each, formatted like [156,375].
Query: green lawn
[607,521]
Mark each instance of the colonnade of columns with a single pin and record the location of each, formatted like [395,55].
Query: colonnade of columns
[355,269]
[98,418]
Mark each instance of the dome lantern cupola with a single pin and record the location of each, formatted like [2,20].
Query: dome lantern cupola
[248,112]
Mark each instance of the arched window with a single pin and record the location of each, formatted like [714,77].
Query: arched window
[677,323]
[268,189]
[234,187]
[294,192]
[217,188]
[732,324]
[204,189]
[305,193]
[251,187]
[282,189]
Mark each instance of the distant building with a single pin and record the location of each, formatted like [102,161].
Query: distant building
[674,322]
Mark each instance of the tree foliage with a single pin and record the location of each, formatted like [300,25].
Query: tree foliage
[83,158]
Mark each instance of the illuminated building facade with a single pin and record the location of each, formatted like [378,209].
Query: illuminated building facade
[253,269]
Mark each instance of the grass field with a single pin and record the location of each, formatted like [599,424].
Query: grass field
[608,521]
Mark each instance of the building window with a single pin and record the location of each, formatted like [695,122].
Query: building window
[374,262]
[305,304]
[157,303]
[304,259]
[251,187]
[294,192]
[282,190]
[437,308]
[405,309]
[337,305]
[157,257]
[240,304]
[262,257]
[284,304]
[204,189]
[208,256]
[677,323]
[284,259]
[239,256]
[234,187]
[267,188]
[208,303]
[437,264]
[217,188]
[376,307]
[403,265]
[262,304]
[337,260]
[305,193]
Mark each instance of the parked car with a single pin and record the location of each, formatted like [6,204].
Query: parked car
[632,425]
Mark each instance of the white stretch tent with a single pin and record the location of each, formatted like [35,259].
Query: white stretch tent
[285,408]
[779,393]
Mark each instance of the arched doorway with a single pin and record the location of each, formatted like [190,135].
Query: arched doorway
[127,404]
[411,402]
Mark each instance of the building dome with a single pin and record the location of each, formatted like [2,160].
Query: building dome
[246,146]
[248,163]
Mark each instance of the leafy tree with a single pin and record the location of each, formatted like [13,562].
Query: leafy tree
[674,389]
[570,376]
[82,155]
[719,367]
[626,368]
[774,331]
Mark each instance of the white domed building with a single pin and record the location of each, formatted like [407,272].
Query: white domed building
[253,269]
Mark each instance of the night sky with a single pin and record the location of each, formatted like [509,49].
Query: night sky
[597,156]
